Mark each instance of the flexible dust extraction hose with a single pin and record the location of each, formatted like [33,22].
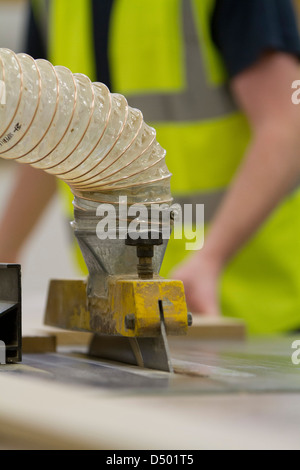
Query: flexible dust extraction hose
[78,131]
[91,139]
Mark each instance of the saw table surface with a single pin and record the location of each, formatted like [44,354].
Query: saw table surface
[224,394]
[228,392]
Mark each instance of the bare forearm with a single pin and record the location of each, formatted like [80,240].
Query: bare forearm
[270,170]
[271,167]
[32,192]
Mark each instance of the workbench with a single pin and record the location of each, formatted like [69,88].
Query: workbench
[225,394]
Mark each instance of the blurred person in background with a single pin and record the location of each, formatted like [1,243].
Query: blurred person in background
[214,78]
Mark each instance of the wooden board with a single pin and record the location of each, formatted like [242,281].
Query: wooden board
[46,339]
[206,327]
[38,343]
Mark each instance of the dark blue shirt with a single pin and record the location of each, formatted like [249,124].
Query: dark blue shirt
[242,30]
[245,29]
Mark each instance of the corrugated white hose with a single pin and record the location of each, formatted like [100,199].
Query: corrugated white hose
[91,139]
[78,131]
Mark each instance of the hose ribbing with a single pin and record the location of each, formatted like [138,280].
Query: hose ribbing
[78,131]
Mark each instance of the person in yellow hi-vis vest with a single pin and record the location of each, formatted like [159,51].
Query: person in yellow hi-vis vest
[214,77]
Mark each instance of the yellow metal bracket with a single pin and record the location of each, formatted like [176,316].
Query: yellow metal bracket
[132,308]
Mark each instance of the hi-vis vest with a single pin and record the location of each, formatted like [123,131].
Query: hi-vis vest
[162,58]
